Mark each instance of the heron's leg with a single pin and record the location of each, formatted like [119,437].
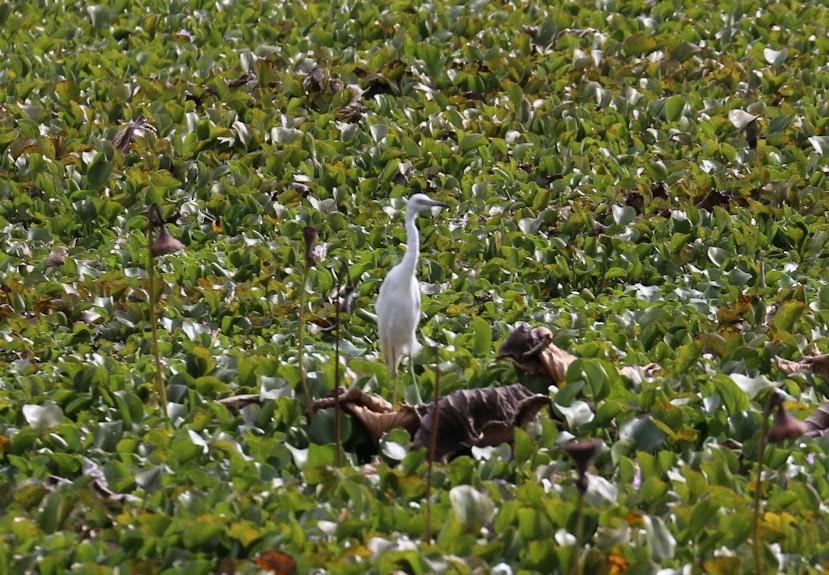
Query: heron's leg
[394,379]
[414,380]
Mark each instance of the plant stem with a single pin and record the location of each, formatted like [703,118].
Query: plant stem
[337,438]
[580,530]
[159,381]
[301,344]
[432,446]
[758,491]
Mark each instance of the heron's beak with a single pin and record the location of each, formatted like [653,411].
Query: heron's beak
[437,204]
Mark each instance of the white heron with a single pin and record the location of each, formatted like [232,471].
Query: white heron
[398,305]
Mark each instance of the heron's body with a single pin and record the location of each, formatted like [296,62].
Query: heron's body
[397,321]
[398,305]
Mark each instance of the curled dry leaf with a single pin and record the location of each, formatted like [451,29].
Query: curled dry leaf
[237,402]
[124,138]
[817,424]
[817,364]
[56,258]
[533,351]
[377,414]
[309,234]
[478,418]
[468,418]
[165,243]
[277,562]
[785,425]
[583,453]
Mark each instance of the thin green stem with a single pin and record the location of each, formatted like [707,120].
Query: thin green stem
[432,447]
[301,345]
[580,548]
[159,380]
[337,438]
[758,491]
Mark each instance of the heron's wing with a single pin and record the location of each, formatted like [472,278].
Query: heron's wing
[414,345]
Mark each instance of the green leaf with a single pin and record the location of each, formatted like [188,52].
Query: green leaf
[524,447]
[639,44]
[734,398]
[661,542]
[820,144]
[482,336]
[108,434]
[52,513]
[789,314]
[99,172]
[471,507]
[321,455]
[779,123]
[673,108]
[472,142]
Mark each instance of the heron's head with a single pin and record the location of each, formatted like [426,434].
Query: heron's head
[420,202]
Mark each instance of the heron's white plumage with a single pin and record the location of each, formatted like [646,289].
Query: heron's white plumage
[398,313]
[398,304]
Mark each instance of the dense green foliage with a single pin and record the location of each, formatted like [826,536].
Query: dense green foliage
[647,179]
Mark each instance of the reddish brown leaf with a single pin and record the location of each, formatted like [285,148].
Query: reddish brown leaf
[277,562]
[617,564]
[532,350]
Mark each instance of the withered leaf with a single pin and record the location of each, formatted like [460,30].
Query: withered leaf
[56,258]
[469,417]
[659,190]
[165,243]
[277,562]
[353,111]
[248,78]
[533,351]
[817,424]
[785,425]
[124,138]
[477,417]
[237,402]
[374,412]
[817,364]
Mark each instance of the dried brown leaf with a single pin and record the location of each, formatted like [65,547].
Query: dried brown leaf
[165,243]
[374,412]
[477,417]
[277,562]
[817,424]
[124,138]
[533,351]
[817,364]
[786,426]
[56,258]
[237,402]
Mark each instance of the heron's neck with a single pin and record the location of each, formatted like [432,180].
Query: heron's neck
[412,243]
